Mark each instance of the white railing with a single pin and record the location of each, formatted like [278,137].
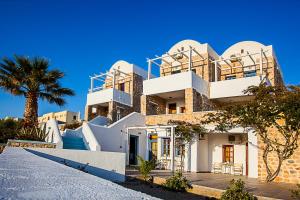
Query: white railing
[107,95]
[175,82]
[54,133]
[89,138]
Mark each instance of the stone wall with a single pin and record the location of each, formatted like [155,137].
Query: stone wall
[32,144]
[115,107]
[195,102]
[290,169]
[153,105]
[194,117]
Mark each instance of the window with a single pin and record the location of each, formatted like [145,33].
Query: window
[182,109]
[242,50]
[122,87]
[74,117]
[194,70]
[230,77]
[177,149]
[118,114]
[228,153]
[250,73]
[172,108]
[175,71]
[166,147]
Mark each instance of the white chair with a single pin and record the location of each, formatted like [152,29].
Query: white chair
[217,168]
[238,169]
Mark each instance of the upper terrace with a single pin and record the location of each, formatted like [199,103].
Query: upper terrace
[212,78]
[118,89]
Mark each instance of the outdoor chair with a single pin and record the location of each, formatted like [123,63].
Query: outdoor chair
[162,164]
[179,165]
[217,168]
[238,169]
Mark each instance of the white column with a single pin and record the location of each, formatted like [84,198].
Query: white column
[147,145]
[92,84]
[149,69]
[190,59]
[187,160]
[261,63]
[216,71]
[172,150]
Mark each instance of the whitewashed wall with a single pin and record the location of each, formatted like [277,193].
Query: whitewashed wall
[108,165]
[252,155]
[215,151]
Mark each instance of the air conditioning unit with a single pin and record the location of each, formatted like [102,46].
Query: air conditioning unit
[234,139]
[179,56]
[201,136]
[235,57]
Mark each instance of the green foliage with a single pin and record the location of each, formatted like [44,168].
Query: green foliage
[237,191]
[273,107]
[72,126]
[296,192]
[32,78]
[32,133]
[177,183]
[8,129]
[145,167]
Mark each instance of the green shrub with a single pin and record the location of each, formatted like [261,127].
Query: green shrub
[72,126]
[237,191]
[296,192]
[145,167]
[177,183]
[8,129]
[32,133]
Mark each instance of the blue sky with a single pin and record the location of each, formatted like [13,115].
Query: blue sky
[85,37]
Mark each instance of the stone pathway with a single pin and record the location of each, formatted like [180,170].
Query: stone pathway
[221,181]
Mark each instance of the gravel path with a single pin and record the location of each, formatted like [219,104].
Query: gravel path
[27,176]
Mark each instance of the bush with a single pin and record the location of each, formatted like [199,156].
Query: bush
[237,191]
[145,167]
[177,183]
[32,133]
[72,126]
[296,192]
[8,129]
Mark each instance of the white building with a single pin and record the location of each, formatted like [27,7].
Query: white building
[193,80]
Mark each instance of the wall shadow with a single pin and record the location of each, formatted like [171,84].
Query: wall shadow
[85,167]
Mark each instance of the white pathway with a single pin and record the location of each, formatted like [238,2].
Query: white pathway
[24,175]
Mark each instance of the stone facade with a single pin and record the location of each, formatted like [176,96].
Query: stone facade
[290,169]
[31,144]
[153,105]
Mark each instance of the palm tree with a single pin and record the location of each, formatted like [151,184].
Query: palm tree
[32,79]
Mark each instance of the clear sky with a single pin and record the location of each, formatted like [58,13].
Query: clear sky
[85,37]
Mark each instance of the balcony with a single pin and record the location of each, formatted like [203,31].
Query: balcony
[232,88]
[175,82]
[107,95]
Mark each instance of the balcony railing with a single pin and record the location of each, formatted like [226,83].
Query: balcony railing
[107,95]
[234,87]
[175,82]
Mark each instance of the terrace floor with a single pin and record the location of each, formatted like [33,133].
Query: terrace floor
[221,181]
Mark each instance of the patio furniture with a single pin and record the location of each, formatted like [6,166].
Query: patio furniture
[227,167]
[217,168]
[179,165]
[238,169]
[163,164]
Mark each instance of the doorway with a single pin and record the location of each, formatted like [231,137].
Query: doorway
[133,150]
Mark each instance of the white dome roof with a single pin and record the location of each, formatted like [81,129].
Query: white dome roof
[247,46]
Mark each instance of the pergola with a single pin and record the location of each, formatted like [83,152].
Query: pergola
[107,77]
[176,57]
